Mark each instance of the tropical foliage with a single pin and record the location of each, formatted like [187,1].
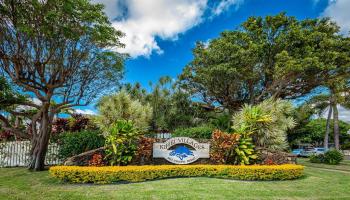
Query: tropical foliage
[222,150]
[267,123]
[144,150]
[121,142]
[172,107]
[234,148]
[245,151]
[121,106]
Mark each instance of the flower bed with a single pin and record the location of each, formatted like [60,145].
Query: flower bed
[101,175]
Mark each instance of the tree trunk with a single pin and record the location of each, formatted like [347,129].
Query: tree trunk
[326,136]
[336,125]
[40,141]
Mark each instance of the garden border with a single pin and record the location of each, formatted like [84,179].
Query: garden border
[113,174]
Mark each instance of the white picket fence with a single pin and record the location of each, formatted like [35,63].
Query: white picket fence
[163,135]
[16,154]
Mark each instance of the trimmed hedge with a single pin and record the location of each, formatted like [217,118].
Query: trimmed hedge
[199,132]
[74,143]
[113,174]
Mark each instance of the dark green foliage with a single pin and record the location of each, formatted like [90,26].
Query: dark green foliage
[222,122]
[74,143]
[346,146]
[314,130]
[278,56]
[121,142]
[332,157]
[8,97]
[171,107]
[202,132]
[317,158]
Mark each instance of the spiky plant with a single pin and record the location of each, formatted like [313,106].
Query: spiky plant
[266,122]
[121,106]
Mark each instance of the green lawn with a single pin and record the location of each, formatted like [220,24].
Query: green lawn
[318,183]
[344,166]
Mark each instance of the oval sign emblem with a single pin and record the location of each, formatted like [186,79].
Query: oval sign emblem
[181,150]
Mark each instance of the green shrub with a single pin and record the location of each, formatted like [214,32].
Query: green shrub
[333,157]
[203,132]
[317,158]
[74,143]
[346,146]
[77,174]
[121,142]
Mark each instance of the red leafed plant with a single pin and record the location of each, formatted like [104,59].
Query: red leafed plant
[144,149]
[269,161]
[6,135]
[222,146]
[96,160]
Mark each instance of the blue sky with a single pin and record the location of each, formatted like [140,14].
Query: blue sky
[176,53]
[160,34]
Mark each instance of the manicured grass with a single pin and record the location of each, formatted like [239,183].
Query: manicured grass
[344,165]
[318,183]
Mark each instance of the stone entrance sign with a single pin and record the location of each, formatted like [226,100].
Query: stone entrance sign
[181,150]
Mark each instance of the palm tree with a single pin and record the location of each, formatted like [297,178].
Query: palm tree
[320,103]
[330,101]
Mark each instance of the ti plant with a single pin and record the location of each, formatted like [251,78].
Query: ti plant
[245,151]
[121,144]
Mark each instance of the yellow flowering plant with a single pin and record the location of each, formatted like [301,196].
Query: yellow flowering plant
[112,174]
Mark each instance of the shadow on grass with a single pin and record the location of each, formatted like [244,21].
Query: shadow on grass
[179,177]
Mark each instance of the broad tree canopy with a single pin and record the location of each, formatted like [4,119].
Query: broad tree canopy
[276,56]
[57,50]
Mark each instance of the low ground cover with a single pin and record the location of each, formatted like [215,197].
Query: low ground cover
[318,183]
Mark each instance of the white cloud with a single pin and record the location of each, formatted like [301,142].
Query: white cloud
[21,108]
[145,21]
[225,5]
[339,11]
[344,114]
[85,112]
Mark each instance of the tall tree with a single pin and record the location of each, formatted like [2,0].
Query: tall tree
[276,56]
[319,104]
[57,50]
[172,107]
[336,55]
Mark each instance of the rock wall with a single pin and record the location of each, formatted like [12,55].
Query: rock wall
[83,158]
[269,157]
